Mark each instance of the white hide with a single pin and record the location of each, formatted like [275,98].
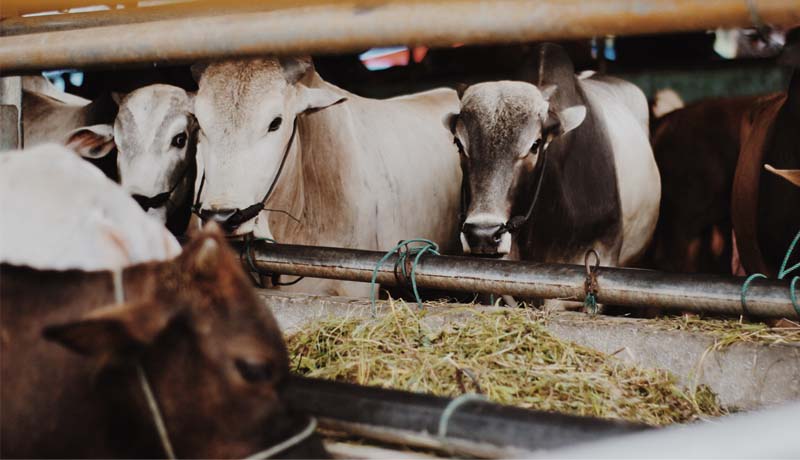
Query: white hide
[624,111]
[394,165]
[49,115]
[766,433]
[60,212]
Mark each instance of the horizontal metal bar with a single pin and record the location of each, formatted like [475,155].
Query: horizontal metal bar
[55,22]
[617,286]
[479,422]
[351,27]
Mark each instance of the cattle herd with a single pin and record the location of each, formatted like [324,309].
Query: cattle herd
[118,342]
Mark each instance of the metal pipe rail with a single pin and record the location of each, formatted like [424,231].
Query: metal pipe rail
[352,26]
[616,286]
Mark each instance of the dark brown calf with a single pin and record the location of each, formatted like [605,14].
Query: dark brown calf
[211,352]
[696,149]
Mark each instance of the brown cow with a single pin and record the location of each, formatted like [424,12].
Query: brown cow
[765,206]
[696,149]
[210,351]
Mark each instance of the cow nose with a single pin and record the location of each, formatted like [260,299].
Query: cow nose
[220,216]
[483,239]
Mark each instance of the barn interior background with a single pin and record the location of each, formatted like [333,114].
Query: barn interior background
[615,367]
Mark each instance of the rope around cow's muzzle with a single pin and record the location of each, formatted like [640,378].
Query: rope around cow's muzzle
[158,418]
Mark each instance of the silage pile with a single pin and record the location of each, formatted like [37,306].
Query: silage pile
[507,355]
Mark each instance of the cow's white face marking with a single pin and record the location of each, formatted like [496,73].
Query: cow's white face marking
[500,131]
[246,112]
[153,133]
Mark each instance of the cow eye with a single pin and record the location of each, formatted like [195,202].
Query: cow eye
[276,123]
[254,372]
[536,144]
[179,141]
[460,146]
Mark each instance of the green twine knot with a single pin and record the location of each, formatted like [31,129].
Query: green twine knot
[590,303]
[781,275]
[424,247]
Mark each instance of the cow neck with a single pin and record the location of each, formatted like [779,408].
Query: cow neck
[576,191]
[312,187]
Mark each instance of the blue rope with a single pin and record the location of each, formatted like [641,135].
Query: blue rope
[781,275]
[425,246]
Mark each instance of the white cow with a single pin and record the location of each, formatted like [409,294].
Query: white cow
[347,171]
[60,212]
[155,135]
[50,115]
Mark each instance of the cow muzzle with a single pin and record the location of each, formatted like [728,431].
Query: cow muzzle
[485,239]
[231,219]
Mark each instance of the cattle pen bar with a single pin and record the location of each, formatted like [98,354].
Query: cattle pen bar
[313,27]
[617,286]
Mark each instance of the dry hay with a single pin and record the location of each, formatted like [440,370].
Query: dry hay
[727,332]
[507,355]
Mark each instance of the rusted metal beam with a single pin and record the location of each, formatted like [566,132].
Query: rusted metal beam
[616,286]
[483,429]
[347,27]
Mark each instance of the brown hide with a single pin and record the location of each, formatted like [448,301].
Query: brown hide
[696,149]
[212,352]
[756,133]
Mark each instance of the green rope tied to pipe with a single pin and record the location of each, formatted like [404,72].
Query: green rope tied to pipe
[590,303]
[425,247]
[450,409]
[781,275]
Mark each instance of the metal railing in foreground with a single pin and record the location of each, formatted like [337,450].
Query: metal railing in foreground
[472,428]
[615,286]
[311,27]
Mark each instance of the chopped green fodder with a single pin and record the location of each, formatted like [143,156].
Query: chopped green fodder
[507,355]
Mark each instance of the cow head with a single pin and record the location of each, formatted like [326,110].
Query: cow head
[212,353]
[501,132]
[155,135]
[247,112]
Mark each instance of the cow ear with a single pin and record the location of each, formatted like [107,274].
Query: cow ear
[449,121]
[570,118]
[92,141]
[314,99]
[792,175]
[111,330]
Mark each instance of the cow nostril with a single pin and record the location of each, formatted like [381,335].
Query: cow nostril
[483,236]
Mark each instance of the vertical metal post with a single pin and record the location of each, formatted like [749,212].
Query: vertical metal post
[10,113]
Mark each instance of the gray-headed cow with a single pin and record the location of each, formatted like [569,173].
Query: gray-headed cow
[580,143]
[289,156]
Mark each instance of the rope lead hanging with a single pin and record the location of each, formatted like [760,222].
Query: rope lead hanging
[781,275]
[424,247]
